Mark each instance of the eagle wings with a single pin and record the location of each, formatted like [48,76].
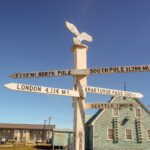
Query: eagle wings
[79,36]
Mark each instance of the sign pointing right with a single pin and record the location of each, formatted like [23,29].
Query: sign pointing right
[112,92]
[111,70]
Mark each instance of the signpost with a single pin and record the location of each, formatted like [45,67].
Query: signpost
[37,74]
[58,73]
[109,105]
[112,92]
[120,69]
[41,89]
[80,73]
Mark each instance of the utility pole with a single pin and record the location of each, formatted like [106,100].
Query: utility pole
[49,129]
[43,131]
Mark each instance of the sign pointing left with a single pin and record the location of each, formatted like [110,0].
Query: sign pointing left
[37,74]
[41,89]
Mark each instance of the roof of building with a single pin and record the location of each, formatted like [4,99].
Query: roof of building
[62,137]
[25,126]
[63,130]
[100,111]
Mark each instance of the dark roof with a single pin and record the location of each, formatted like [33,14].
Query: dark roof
[63,130]
[89,122]
[25,126]
[93,117]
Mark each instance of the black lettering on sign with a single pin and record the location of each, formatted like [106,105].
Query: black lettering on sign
[92,71]
[40,74]
[80,140]
[64,92]
[106,70]
[145,68]
[46,90]
[46,74]
[59,72]
[69,72]
[18,75]
[32,74]
[122,69]
[18,87]
[56,91]
[51,73]
[28,88]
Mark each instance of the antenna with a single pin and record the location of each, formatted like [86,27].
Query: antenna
[125,86]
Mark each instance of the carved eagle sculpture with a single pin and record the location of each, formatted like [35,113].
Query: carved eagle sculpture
[79,36]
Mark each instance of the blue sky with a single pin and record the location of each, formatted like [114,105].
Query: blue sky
[33,38]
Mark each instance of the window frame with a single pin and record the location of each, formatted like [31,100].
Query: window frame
[148,135]
[114,111]
[126,135]
[136,113]
[108,129]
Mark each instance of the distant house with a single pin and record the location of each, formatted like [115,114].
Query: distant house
[119,129]
[62,138]
[25,132]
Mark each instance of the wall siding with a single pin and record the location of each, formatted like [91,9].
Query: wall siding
[104,122]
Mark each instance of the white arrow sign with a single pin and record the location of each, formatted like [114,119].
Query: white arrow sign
[41,89]
[112,92]
[50,73]
[109,105]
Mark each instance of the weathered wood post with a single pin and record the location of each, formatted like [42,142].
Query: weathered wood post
[80,62]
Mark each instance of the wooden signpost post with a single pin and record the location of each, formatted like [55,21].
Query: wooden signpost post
[80,88]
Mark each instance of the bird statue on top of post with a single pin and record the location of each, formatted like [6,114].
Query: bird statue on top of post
[79,36]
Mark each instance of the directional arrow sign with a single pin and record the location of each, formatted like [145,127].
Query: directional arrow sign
[110,70]
[112,92]
[120,69]
[41,89]
[56,73]
[50,73]
[109,105]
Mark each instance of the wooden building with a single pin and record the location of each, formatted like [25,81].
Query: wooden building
[63,138]
[119,129]
[25,132]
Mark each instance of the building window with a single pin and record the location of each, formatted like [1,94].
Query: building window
[110,134]
[25,131]
[16,131]
[128,134]
[115,112]
[137,113]
[148,135]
